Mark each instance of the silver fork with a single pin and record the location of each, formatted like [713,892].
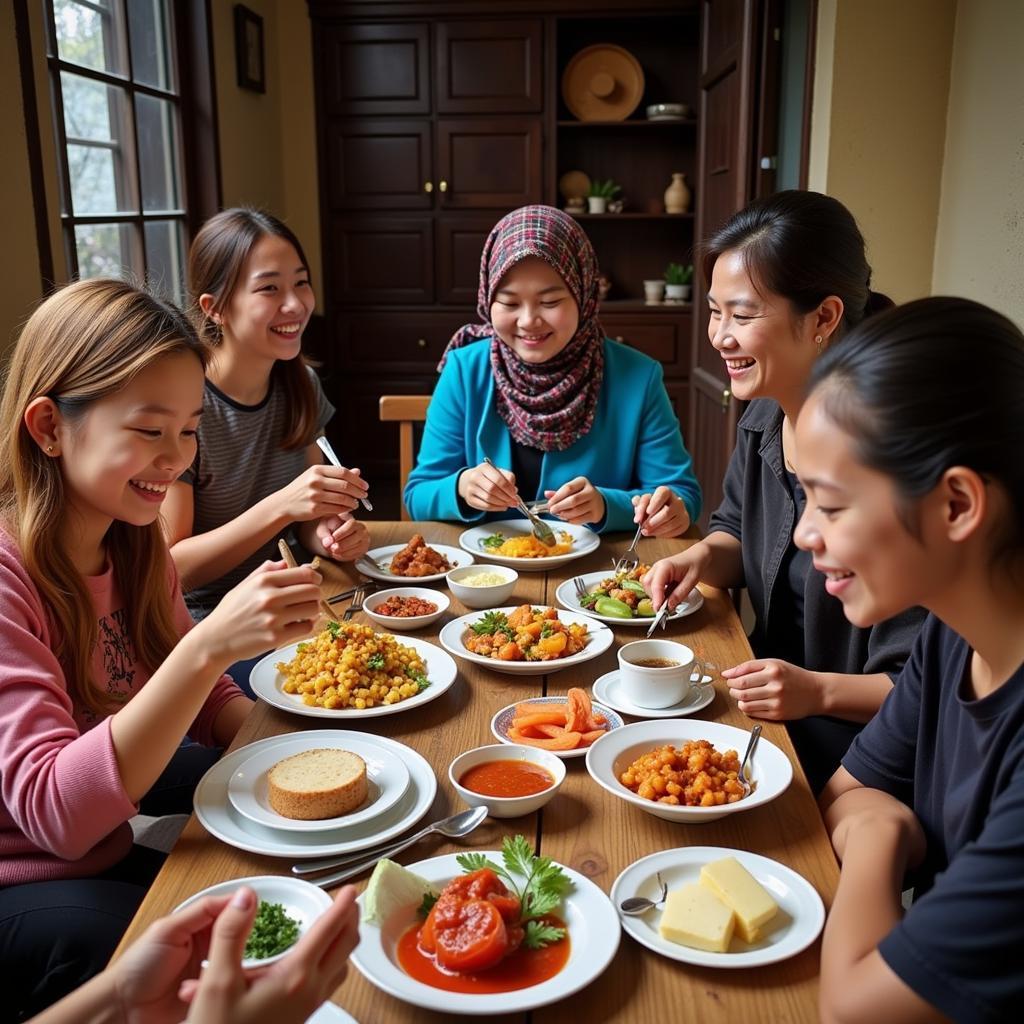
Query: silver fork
[624,563]
[755,735]
[581,587]
[357,604]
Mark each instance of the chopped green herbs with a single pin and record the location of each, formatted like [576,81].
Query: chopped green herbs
[418,678]
[334,628]
[491,623]
[429,899]
[375,661]
[273,931]
[494,541]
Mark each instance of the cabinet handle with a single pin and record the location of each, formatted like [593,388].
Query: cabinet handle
[422,342]
[726,396]
[620,339]
[428,186]
[442,185]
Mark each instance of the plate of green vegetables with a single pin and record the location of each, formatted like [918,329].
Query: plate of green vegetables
[619,598]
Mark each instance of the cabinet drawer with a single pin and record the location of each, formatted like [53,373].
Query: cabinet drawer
[662,339]
[410,342]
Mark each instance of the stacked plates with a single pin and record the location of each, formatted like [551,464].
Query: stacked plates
[231,800]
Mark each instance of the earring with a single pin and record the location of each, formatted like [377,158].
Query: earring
[817,341]
[49,449]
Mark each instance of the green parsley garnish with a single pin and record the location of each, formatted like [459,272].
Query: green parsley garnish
[334,628]
[491,623]
[544,889]
[546,629]
[273,931]
[494,541]
[589,600]
[429,899]
[375,661]
[418,678]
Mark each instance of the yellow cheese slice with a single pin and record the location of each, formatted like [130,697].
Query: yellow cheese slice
[695,917]
[737,888]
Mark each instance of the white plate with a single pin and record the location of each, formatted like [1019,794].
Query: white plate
[331,1013]
[302,901]
[608,690]
[611,755]
[566,596]
[267,683]
[387,779]
[450,638]
[594,932]
[584,541]
[502,722]
[800,918]
[375,564]
[221,820]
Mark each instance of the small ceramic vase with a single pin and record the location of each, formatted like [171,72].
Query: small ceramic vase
[654,292]
[597,204]
[677,195]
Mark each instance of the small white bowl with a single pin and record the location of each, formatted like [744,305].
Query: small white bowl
[411,622]
[483,597]
[507,806]
[612,754]
[668,111]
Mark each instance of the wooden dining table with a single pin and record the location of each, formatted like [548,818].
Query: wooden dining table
[583,827]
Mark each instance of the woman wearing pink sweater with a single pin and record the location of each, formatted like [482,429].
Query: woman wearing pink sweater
[101,675]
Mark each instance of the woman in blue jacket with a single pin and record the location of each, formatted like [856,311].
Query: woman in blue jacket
[576,418]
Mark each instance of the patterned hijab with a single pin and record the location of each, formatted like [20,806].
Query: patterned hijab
[548,405]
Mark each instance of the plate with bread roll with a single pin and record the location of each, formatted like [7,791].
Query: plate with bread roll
[303,788]
[307,782]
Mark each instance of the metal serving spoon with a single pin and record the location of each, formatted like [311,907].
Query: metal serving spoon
[455,827]
[541,530]
[755,735]
[641,904]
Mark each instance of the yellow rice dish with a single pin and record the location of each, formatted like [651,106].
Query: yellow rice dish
[350,666]
[527,546]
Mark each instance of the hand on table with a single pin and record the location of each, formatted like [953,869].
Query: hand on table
[343,538]
[488,488]
[775,690]
[672,579]
[577,501]
[321,491]
[663,513]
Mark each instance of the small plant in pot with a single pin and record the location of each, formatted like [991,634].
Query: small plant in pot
[677,282]
[599,194]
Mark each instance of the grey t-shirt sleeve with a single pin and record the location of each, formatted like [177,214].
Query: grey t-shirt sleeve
[325,411]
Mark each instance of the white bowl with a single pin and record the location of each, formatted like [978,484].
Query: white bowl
[482,597]
[666,111]
[609,757]
[507,806]
[396,622]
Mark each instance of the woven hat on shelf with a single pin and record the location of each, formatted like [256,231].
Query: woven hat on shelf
[603,83]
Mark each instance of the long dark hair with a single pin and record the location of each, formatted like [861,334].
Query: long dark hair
[929,385]
[803,246]
[215,261]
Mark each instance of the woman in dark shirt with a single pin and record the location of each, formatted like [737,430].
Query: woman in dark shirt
[787,278]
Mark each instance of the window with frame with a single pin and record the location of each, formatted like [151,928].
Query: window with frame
[116,90]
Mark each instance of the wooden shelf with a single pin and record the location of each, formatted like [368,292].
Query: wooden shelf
[633,216]
[639,306]
[685,121]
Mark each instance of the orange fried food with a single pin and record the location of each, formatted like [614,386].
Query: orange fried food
[558,726]
[417,559]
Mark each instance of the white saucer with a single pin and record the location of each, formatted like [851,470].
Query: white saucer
[608,690]
[387,779]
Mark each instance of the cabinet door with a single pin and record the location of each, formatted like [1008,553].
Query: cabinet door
[381,260]
[460,241]
[485,67]
[376,69]
[661,338]
[380,164]
[493,162]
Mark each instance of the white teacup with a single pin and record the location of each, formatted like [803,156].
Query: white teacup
[665,679]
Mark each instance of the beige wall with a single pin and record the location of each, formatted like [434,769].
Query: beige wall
[268,140]
[882,86]
[979,245]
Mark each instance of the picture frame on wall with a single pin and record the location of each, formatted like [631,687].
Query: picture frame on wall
[249,62]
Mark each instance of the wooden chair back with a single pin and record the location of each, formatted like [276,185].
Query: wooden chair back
[405,410]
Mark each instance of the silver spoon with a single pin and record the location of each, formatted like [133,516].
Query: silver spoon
[541,530]
[641,904]
[755,735]
[455,827]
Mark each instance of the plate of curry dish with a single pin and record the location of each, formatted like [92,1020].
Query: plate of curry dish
[511,542]
[417,560]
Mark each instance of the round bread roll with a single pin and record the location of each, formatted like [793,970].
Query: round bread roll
[317,784]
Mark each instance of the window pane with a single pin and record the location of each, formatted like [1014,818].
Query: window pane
[150,35]
[106,250]
[164,259]
[100,151]
[90,34]
[157,122]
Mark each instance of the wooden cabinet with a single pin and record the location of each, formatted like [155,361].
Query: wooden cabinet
[436,118]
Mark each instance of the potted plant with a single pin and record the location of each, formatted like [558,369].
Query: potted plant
[677,282]
[599,194]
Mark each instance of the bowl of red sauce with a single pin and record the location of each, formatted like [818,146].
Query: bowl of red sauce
[509,779]
[406,608]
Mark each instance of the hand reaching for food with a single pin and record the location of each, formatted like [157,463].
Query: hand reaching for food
[488,488]
[577,501]
[343,538]
[672,579]
[321,491]
[775,690]
[663,513]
